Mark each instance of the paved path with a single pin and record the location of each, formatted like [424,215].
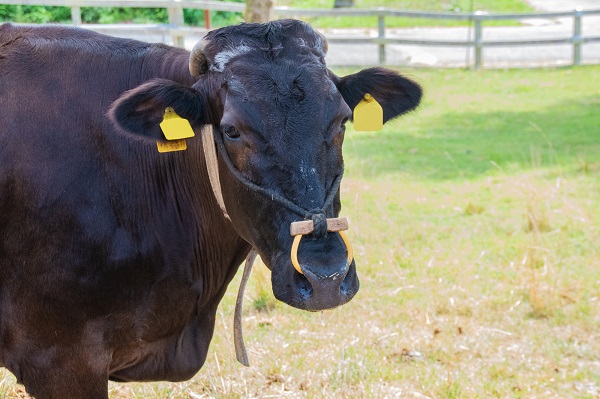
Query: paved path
[498,57]
[564,5]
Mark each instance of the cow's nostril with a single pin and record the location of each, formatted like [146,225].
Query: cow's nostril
[350,285]
[344,290]
[305,289]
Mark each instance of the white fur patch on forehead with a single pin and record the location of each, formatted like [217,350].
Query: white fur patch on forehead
[222,58]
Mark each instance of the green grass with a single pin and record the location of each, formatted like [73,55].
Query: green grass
[476,228]
[464,6]
[112,15]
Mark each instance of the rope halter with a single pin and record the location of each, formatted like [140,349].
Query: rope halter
[315,222]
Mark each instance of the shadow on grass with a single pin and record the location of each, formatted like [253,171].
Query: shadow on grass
[465,145]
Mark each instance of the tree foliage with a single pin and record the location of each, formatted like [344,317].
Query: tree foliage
[110,15]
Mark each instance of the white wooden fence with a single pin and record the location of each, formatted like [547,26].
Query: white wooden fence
[178,31]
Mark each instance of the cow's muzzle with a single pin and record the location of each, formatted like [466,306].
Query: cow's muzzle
[327,276]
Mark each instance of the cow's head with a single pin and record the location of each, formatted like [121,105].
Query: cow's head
[279,115]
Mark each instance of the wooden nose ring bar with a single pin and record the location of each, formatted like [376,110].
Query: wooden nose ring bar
[304,227]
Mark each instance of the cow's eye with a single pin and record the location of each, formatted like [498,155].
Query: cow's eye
[343,126]
[231,132]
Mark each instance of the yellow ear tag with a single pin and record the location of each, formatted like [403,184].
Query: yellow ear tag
[368,115]
[170,146]
[174,127]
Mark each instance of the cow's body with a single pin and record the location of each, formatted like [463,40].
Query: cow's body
[105,244]
[114,257]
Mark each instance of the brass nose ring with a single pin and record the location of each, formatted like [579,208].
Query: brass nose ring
[299,229]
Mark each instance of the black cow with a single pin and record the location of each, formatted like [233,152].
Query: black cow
[114,257]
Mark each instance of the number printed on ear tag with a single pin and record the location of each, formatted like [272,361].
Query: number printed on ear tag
[170,146]
[174,127]
[368,115]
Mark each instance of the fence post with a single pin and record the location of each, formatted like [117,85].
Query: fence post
[76,15]
[207,19]
[176,21]
[577,36]
[381,35]
[478,44]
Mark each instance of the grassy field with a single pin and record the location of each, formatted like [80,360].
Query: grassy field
[476,228]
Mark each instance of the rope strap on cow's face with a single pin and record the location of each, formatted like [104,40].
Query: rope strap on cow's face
[304,227]
[315,221]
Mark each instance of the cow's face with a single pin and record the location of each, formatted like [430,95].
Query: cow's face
[279,120]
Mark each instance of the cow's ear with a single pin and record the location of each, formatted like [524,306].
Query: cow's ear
[141,110]
[396,94]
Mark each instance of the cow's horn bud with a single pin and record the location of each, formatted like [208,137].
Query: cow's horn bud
[324,42]
[198,62]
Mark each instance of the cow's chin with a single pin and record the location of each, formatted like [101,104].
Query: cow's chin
[326,282]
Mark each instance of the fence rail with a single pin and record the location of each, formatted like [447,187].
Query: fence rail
[176,29]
